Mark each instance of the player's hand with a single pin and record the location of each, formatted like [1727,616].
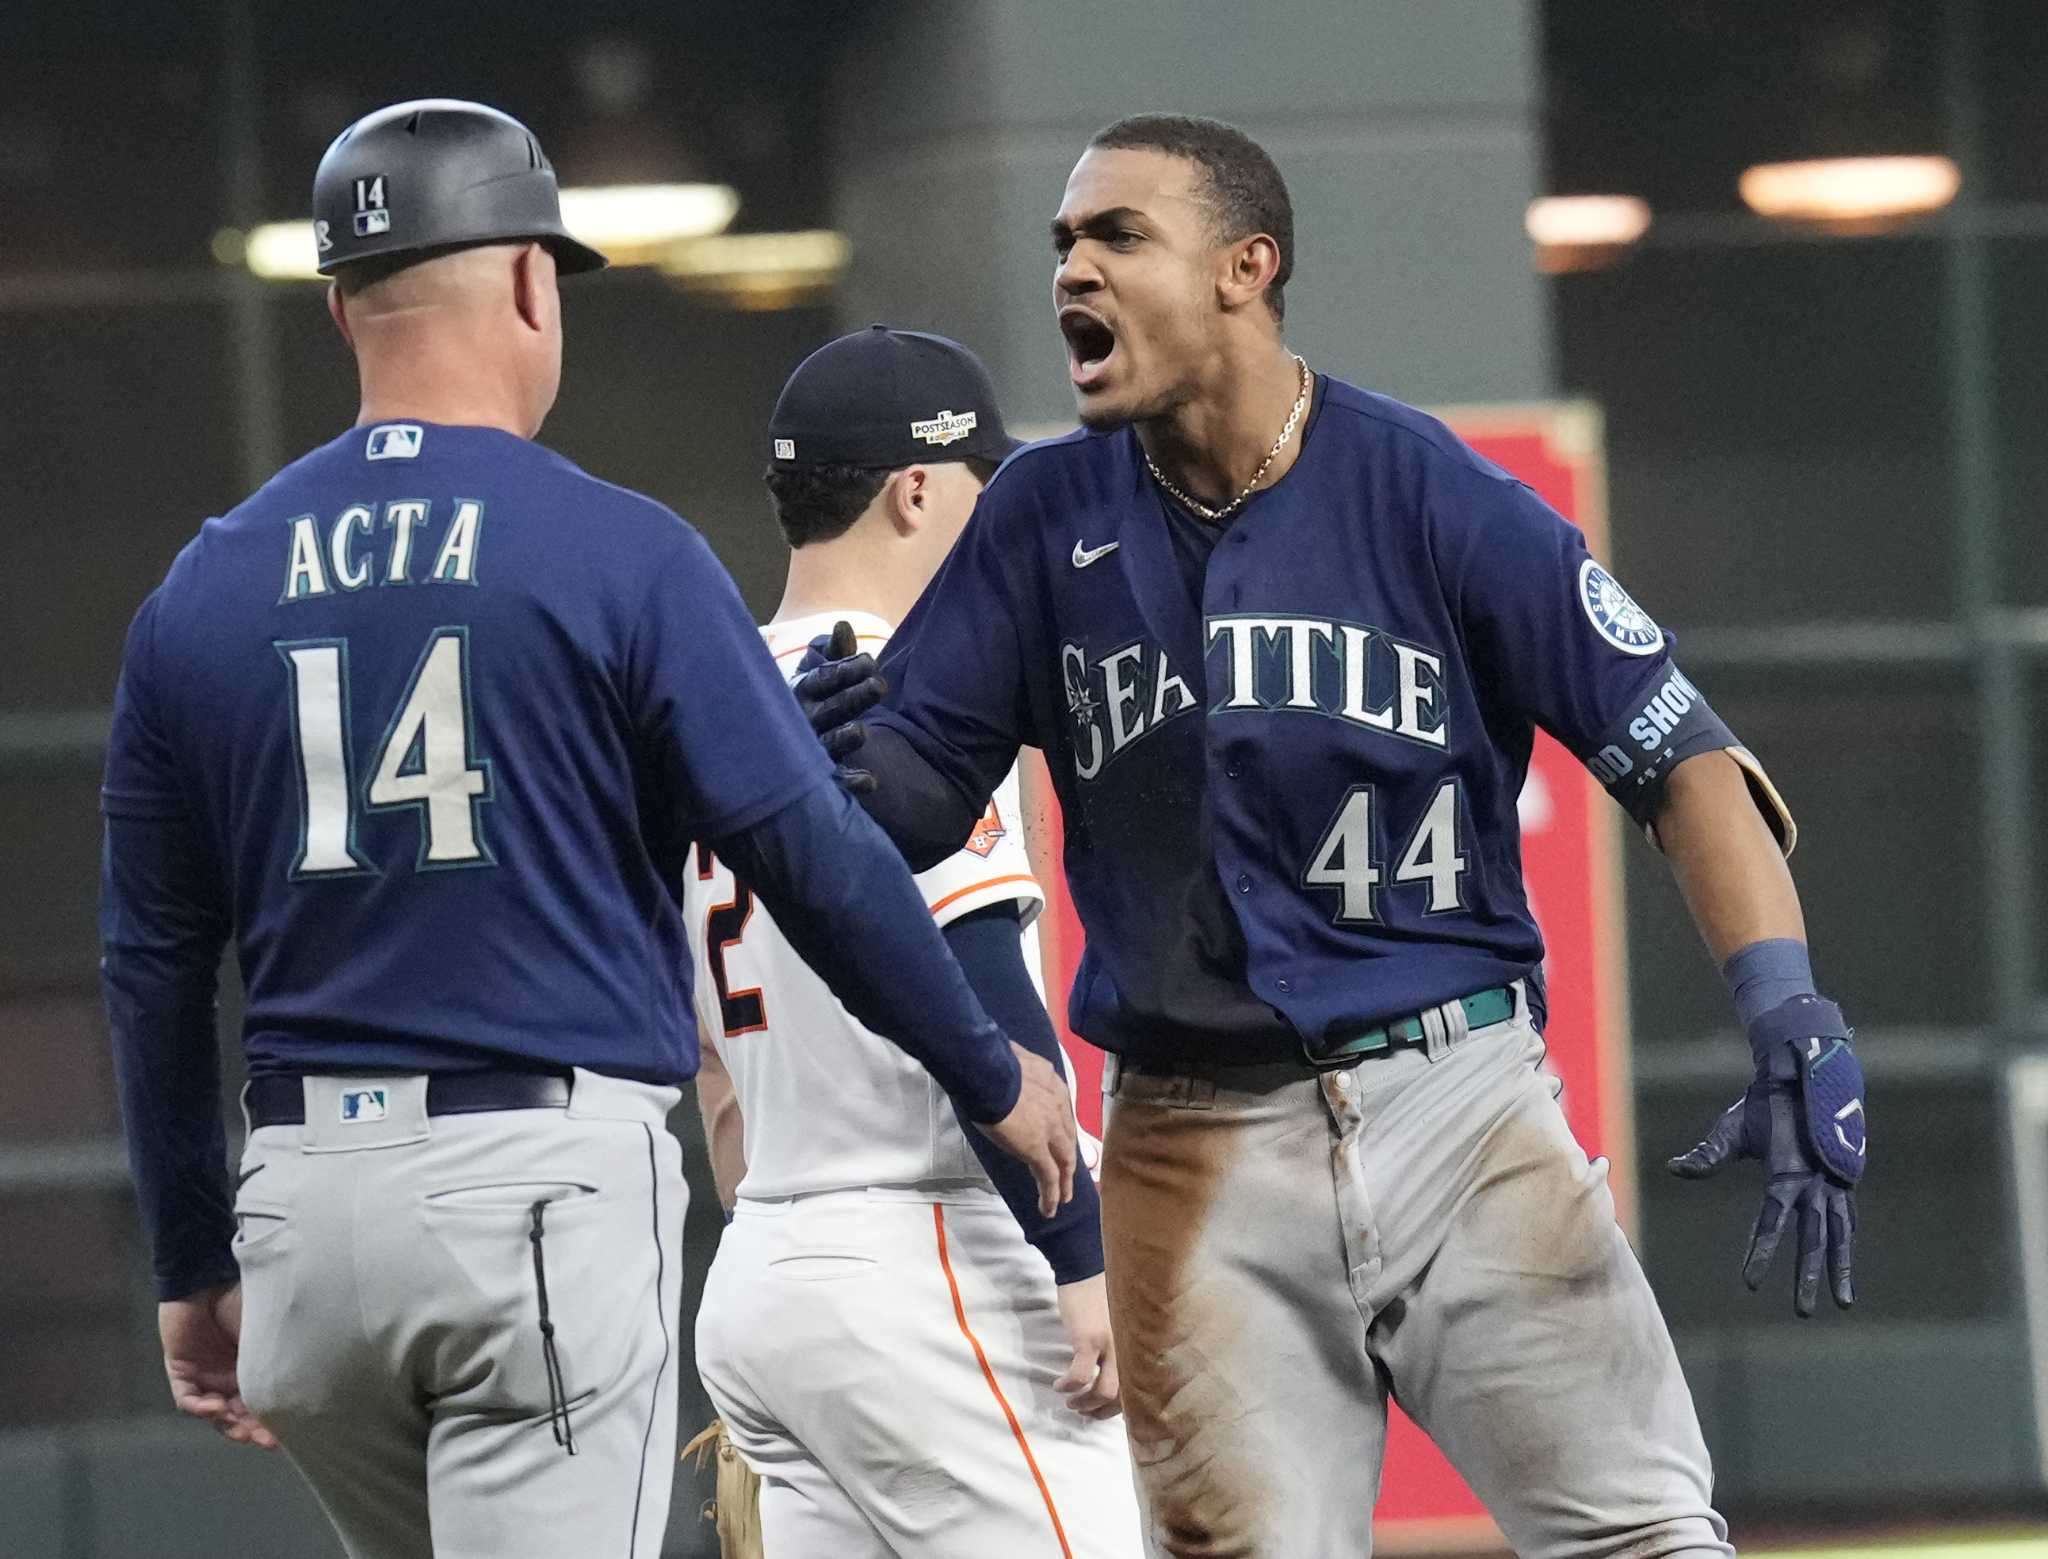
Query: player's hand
[1040,1131]
[1090,1383]
[836,685]
[201,1336]
[1803,1119]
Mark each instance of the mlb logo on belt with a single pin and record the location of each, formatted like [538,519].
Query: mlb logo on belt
[372,214]
[946,427]
[360,1105]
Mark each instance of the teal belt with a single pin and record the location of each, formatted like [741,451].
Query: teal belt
[1481,1009]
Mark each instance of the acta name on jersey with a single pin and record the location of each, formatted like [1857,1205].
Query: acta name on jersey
[1346,671]
[362,547]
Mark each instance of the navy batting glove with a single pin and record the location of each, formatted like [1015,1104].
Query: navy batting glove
[837,686]
[1803,1117]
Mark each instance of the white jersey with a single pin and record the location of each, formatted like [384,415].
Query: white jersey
[827,1103]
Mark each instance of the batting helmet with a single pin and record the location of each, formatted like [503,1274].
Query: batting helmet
[435,174]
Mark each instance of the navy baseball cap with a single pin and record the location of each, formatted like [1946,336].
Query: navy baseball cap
[886,399]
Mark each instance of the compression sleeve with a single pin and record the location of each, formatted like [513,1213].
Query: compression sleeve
[841,894]
[990,947]
[927,816]
[163,921]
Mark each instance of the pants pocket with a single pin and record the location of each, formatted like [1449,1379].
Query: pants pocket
[557,1276]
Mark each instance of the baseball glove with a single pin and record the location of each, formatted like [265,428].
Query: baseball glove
[736,1504]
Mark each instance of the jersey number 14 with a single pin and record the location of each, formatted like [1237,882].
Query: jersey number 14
[427,760]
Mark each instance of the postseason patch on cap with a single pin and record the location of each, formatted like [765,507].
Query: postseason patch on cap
[945,428]
[1614,612]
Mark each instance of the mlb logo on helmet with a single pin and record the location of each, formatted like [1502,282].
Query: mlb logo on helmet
[372,214]
[394,441]
[360,1105]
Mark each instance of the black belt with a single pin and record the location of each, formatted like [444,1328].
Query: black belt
[280,1099]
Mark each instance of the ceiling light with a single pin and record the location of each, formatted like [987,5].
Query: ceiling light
[1587,219]
[760,270]
[1584,232]
[1857,193]
[630,224]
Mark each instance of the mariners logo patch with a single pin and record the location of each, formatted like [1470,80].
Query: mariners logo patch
[945,428]
[1614,612]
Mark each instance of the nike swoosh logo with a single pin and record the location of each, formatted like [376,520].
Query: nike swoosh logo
[1083,556]
[247,1175]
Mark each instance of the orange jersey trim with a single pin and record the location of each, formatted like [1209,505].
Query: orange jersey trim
[989,1375]
[992,882]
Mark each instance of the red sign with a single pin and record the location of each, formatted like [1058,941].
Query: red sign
[1569,840]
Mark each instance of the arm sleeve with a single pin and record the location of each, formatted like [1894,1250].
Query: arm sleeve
[959,704]
[1576,655]
[989,945]
[728,743]
[1552,630]
[164,919]
[841,894]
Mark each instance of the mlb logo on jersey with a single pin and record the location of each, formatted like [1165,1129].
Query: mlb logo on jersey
[372,214]
[394,441]
[362,1105]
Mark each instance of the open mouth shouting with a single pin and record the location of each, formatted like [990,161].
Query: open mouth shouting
[1090,346]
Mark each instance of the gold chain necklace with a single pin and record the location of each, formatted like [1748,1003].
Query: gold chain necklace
[1280,443]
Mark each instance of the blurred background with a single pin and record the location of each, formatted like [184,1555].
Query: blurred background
[1824,394]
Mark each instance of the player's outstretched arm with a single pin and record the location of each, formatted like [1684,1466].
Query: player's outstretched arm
[843,897]
[926,814]
[1802,1116]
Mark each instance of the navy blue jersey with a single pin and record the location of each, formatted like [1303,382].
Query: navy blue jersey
[1288,750]
[439,733]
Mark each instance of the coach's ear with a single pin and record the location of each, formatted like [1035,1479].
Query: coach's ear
[533,275]
[339,314]
[910,500]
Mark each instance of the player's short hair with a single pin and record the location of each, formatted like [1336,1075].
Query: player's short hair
[821,502]
[1246,192]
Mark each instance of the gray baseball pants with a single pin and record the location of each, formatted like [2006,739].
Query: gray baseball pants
[392,1272]
[1286,1250]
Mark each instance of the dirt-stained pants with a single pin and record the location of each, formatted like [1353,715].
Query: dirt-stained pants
[1287,1249]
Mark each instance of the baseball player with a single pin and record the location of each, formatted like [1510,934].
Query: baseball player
[425,726]
[907,1375]
[1285,644]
